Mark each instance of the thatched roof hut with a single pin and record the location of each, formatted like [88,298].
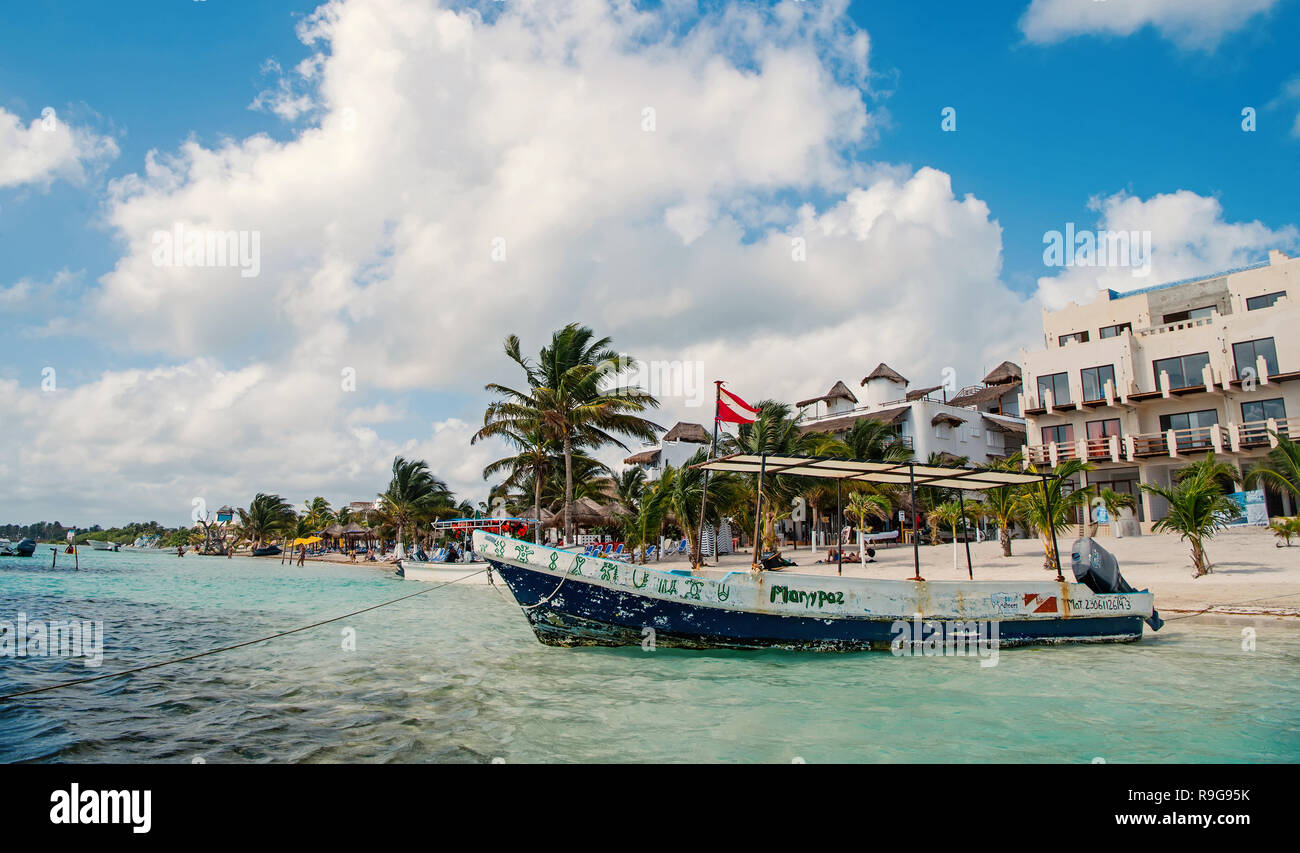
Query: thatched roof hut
[683,431]
[884,371]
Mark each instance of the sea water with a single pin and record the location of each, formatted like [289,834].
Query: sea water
[456,675]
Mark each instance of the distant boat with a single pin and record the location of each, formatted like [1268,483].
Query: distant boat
[266,551]
[149,542]
[23,548]
[101,545]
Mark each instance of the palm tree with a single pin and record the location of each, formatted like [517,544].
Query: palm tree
[952,514]
[534,460]
[1113,502]
[1285,529]
[1197,509]
[864,505]
[414,495]
[1280,472]
[570,399]
[1034,500]
[1002,503]
[267,516]
[682,489]
[318,513]
[875,441]
[1226,475]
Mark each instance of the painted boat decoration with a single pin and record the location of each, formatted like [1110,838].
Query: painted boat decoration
[572,600]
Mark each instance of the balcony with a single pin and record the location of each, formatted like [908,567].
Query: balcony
[1253,434]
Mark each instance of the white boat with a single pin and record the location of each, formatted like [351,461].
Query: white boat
[101,545]
[461,573]
[573,599]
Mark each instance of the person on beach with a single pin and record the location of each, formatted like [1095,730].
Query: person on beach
[180,550]
[302,554]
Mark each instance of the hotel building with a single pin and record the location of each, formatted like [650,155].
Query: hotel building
[1142,383]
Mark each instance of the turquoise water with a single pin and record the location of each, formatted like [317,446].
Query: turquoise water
[455,675]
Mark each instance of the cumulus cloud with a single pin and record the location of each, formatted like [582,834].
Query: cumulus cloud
[463,174]
[1189,236]
[47,149]
[1191,24]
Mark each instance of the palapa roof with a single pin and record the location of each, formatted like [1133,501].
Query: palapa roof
[980,396]
[839,391]
[335,530]
[683,431]
[1004,424]
[921,392]
[884,371]
[946,418]
[885,416]
[1002,374]
[645,457]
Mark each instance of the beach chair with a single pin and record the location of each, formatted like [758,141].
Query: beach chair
[681,549]
[650,552]
[617,552]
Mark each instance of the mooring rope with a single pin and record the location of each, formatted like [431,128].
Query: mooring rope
[1211,608]
[134,670]
[547,598]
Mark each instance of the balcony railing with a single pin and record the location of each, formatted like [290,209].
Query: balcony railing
[1257,433]
[1174,442]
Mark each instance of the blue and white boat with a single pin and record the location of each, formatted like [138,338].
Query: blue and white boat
[571,599]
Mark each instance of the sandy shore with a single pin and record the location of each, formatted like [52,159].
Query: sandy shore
[1251,576]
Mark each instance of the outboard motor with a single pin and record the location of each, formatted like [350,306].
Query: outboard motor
[1097,569]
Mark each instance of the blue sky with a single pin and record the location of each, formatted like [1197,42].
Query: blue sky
[1042,127]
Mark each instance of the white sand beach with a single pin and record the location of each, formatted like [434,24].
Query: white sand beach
[1251,576]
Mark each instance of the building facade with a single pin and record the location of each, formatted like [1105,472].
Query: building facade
[1142,383]
[979,423]
[678,445]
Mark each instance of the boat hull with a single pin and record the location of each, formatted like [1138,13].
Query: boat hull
[472,574]
[574,601]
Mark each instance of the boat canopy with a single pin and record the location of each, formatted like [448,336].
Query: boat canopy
[478,523]
[900,473]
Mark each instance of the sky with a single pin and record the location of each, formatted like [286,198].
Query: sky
[779,195]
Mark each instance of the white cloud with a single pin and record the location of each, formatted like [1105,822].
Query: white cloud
[1189,237]
[1191,24]
[47,149]
[437,132]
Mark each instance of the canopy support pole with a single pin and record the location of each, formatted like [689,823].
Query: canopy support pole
[758,514]
[961,499]
[704,493]
[1051,522]
[839,527]
[916,540]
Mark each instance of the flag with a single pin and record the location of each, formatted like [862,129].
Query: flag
[733,410]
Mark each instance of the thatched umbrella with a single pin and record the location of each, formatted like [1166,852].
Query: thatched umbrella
[334,531]
[584,512]
[547,515]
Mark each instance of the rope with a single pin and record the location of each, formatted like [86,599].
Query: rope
[231,647]
[1232,604]
[547,598]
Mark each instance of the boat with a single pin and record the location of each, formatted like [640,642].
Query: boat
[101,545]
[266,551]
[22,548]
[471,568]
[571,599]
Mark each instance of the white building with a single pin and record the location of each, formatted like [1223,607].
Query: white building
[677,446]
[1142,383]
[978,423]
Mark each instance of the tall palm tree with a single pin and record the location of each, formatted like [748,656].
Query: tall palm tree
[414,495]
[569,396]
[267,516]
[534,460]
[1198,508]
[1035,499]
[1280,472]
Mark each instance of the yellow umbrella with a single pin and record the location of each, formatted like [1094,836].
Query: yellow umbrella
[310,540]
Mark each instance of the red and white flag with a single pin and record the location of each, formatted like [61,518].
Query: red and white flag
[733,410]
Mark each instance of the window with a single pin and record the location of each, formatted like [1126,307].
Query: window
[1103,429]
[1115,330]
[1095,379]
[1254,303]
[1189,421]
[1245,353]
[1074,338]
[1184,370]
[1193,314]
[1063,434]
[1059,384]
[1262,410]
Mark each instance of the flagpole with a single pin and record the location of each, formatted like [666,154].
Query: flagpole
[704,492]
